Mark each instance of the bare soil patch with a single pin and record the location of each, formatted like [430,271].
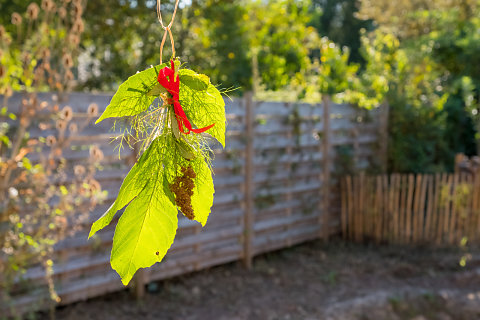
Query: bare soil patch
[310,281]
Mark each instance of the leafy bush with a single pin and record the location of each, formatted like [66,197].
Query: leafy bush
[428,58]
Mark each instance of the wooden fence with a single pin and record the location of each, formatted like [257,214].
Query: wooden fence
[440,209]
[273,183]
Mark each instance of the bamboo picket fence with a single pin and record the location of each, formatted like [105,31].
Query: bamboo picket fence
[423,209]
[273,184]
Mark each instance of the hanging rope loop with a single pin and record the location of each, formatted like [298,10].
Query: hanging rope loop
[167,29]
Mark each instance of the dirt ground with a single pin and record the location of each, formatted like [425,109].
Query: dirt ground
[310,281]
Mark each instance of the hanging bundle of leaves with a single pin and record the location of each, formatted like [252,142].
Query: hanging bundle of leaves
[173,173]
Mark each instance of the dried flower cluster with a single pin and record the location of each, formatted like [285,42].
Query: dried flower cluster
[39,65]
[43,198]
[32,11]
[182,188]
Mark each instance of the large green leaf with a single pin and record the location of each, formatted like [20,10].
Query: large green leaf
[145,231]
[132,185]
[132,97]
[147,228]
[204,108]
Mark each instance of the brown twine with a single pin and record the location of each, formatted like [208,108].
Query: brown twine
[167,28]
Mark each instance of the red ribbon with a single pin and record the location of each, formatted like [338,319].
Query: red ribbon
[166,78]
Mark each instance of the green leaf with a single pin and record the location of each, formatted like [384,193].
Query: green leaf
[132,96]
[63,190]
[202,198]
[193,80]
[27,164]
[145,231]
[204,108]
[147,228]
[132,185]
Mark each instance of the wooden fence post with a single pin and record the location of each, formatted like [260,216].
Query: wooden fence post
[249,183]
[288,184]
[356,148]
[383,135]
[344,207]
[325,230]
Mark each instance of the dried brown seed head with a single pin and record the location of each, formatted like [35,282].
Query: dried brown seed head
[94,186]
[32,11]
[43,104]
[62,13]
[96,154]
[79,170]
[67,60]
[73,128]
[16,19]
[67,113]
[53,7]
[77,10]
[3,71]
[43,126]
[50,141]
[61,125]
[92,110]
[78,26]
[48,5]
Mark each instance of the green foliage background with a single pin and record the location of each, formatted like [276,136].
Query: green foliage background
[433,79]
[422,57]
